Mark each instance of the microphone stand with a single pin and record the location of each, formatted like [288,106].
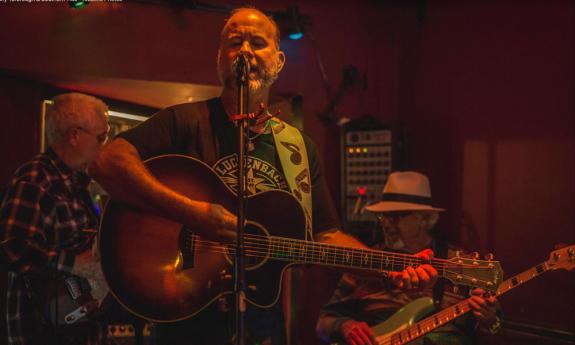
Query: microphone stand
[242,75]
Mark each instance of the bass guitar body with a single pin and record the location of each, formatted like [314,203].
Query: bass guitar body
[406,316]
[163,271]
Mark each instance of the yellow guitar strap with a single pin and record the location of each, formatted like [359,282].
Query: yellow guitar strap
[293,158]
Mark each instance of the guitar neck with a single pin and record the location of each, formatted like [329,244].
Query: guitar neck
[449,314]
[307,252]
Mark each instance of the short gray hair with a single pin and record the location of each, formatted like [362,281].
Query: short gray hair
[71,110]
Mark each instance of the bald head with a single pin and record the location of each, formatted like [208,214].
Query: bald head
[251,16]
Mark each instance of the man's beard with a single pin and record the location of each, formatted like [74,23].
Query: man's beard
[263,79]
[394,244]
[393,240]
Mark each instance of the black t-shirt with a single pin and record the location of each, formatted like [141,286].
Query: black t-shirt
[202,130]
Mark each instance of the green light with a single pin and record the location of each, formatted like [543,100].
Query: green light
[77,3]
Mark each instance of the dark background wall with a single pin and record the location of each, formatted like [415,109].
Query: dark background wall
[484,91]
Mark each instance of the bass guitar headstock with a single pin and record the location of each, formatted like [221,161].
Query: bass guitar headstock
[563,258]
[471,271]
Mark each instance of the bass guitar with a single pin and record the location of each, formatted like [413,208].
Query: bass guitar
[401,328]
[163,271]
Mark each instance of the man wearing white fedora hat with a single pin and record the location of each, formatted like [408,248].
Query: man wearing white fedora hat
[406,217]
[406,214]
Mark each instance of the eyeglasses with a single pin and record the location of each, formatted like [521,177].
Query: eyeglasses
[102,137]
[393,217]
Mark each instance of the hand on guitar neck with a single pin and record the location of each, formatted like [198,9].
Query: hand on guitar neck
[416,278]
[411,278]
[484,307]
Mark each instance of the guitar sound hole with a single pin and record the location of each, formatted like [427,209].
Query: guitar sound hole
[256,246]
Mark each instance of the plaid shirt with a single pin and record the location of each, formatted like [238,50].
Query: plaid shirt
[43,213]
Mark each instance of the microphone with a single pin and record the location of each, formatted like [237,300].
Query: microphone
[241,67]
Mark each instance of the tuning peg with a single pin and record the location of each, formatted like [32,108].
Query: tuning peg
[475,255]
[489,256]
[458,253]
[556,256]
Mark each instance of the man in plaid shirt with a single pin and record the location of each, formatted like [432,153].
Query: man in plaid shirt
[47,217]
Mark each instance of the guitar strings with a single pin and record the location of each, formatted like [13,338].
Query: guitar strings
[258,248]
[261,246]
[265,241]
[215,247]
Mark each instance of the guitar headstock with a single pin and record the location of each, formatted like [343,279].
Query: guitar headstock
[563,258]
[470,271]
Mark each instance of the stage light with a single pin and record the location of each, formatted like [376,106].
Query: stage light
[296,31]
[291,23]
[295,36]
[78,3]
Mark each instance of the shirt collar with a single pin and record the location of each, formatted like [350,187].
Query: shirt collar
[78,178]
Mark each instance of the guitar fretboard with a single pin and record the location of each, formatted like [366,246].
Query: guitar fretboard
[448,314]
[306,252]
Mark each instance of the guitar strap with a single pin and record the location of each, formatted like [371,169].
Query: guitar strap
[294,160]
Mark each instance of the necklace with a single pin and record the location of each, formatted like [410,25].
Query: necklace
[251,145]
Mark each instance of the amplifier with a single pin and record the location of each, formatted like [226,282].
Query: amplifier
[368,157]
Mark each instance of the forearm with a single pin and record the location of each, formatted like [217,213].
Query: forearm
[339,238]
[119,169]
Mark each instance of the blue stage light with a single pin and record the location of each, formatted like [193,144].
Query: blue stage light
[296,36]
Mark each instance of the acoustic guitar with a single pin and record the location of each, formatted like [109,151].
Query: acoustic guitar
[163,271]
